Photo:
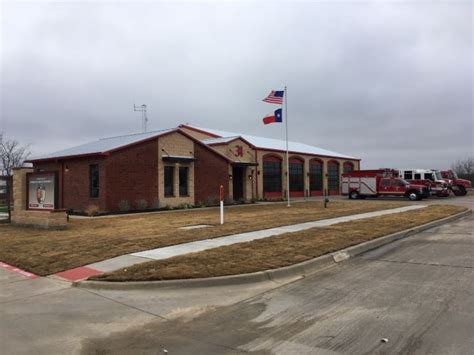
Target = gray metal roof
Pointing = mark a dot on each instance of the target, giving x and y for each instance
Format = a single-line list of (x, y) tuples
[(270, 143), (219, 140), (103, 145)]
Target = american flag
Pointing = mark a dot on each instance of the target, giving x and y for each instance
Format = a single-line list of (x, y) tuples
[(275, 97)]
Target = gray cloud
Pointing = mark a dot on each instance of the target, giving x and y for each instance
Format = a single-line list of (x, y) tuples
[(388, 82)]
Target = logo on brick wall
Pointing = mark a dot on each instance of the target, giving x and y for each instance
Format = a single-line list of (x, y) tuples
[(239, 151)]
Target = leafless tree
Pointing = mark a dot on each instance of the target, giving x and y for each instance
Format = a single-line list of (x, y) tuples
[(12, 155), (464, 168)]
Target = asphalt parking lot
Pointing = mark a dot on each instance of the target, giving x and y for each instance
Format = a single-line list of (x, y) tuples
[(417, 294)]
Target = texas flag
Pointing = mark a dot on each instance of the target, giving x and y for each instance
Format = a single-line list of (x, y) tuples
[(272, 118)]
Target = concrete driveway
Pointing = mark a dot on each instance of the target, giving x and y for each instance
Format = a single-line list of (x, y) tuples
[(418, 293)]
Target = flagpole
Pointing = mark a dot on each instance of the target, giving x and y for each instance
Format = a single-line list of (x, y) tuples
[(287, 158)]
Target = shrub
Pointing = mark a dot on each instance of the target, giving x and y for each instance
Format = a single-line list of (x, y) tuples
[(141, 204), (156, 204), (92, 210), (124, 206), (167, 207), (211, 201), (200, 204)]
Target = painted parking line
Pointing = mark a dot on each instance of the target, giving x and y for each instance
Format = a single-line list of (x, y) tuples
[(79, 273), (11, 268)]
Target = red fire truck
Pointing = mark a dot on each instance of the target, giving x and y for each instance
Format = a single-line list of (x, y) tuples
[(428, 177), (380, 182), (459, 186)]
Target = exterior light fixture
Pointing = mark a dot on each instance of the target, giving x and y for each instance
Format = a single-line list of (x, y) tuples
[(230, 177)]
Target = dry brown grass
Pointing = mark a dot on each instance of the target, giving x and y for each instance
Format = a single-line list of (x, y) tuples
[(87, 241), (278, 251)]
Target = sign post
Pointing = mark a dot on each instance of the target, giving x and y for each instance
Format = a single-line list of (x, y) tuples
[(221, 197)]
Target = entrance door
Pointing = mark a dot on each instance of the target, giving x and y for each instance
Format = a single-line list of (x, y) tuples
[(238, 183)]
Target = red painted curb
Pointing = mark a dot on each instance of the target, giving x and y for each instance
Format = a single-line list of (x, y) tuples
[(11, 268), (79, 273)]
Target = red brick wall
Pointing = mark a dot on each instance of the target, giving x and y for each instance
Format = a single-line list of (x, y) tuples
[(132, 174), (76, 182), (210, 171), (128, 174)]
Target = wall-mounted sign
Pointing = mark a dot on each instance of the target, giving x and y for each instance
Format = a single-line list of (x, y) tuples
[(42, 191), (239, 151)]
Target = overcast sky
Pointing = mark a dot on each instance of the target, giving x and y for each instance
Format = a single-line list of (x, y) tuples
[(389, 82)]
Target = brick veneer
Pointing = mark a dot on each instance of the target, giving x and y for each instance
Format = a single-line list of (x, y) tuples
[(210, 171), (128, 174), (179, 145), (21, 216), (131, 175), (74, 175)]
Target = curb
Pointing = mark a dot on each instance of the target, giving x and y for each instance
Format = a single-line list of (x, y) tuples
[(284, 274)]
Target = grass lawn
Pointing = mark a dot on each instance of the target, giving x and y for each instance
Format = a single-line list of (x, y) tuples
[(91, 240), (278, 251)]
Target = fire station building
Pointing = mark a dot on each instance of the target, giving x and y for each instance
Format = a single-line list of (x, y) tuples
[(186, 165)]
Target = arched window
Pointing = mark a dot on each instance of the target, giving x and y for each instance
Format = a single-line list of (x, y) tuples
[(272, 176), (348, 167), (296, 169), (316, 177), (333, 177)]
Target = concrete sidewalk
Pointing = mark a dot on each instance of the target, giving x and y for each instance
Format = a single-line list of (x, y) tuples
[(201, 245)]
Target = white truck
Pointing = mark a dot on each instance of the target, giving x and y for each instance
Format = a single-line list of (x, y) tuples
[(427, 177)]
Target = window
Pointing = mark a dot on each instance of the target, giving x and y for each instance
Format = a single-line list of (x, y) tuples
[(94, 180), (385, 182), (348, 167), (429, 176), (333, 176), (316, 176), (296, 176), (417, 176), (169, 181), (408, 175), (399, 183), (183, 181), (272, 176)]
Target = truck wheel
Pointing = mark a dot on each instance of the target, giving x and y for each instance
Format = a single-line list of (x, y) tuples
[(354, 195), (459, 190), (414, 196)]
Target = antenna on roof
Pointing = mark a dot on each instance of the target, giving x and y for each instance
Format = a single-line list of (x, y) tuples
[(142, 109)]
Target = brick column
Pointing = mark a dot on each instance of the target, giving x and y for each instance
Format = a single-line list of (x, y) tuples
[(176, 180), (325, 177), (20, 188)]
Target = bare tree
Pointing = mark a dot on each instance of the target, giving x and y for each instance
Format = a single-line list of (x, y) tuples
[(464, 168), (12, 155)]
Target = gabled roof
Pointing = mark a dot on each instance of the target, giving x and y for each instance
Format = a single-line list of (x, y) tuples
[(267, 143), (220, 140), (225, 140), (103, 146)]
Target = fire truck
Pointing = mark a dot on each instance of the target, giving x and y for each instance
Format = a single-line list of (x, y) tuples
[(380, 182), (460, 187), (428, 177)]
